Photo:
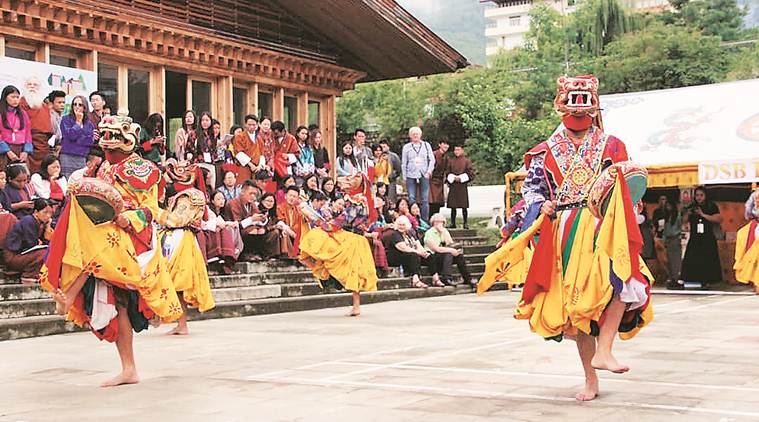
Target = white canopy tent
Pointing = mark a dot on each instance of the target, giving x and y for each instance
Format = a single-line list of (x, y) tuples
[(677, 133)]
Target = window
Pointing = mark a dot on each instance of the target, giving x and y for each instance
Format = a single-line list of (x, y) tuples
[(201, 96), (515, 20), (314, 113), (239, 104), (138, 94), (290, 114), (108, 84), (18, 53), (265, 101), (62, 61), (491, 24)]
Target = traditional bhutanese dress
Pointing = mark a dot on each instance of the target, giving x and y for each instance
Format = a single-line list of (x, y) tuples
[(747, 248), (179, 245), (337, 247), (579, 262), (125, 267)]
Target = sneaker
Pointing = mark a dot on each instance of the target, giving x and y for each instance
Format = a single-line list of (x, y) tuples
[(673, 285)]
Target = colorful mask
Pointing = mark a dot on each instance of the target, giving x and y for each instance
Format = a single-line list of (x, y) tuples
[(577, 101), (118, 133), (182, 172)]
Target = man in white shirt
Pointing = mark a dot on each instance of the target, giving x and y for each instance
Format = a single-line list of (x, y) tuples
[(418, 162)]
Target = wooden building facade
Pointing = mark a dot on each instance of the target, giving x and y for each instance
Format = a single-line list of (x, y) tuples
[(286, 59)]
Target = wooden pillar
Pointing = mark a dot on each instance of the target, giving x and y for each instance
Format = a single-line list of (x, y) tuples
[(42, 53), (123, 89), (88, 60), (157, 87), (253, 100), (224, 109), (328, 126), (278, 104), (2, 46), (301, 117)]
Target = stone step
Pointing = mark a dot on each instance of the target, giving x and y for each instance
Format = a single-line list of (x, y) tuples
[(478, 249), (10, 309), (35, 326), (395, 283), (4, 279), (232, 294), (456, 233), (32, 326), (471, 240), (22, 292), (305, 303)]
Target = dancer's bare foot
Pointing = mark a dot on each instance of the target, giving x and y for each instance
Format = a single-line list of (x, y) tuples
[(125, 377), (62, 302), (179, 331), (590, 391), (607, 362), (354, 312)]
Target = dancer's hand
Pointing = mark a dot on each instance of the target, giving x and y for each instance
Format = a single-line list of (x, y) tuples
[(548, 208), (122, 221)]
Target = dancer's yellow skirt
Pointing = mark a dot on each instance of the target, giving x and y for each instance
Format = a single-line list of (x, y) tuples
[(508, 264), (580, 288), (187, 267), (343, 255), (747, 257), (108, 253)]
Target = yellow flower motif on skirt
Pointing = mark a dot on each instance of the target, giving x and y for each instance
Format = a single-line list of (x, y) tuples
[(113, 239), (123, 270), (93, 268), (164, 293), (575, 296), (43, 275), (175, 308)]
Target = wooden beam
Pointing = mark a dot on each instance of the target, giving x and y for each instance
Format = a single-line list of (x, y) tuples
[(2, 46), (157, 88), (42, 53), (253, 99), (225, 110), (278, 104), (123, 89), (302, 109), (88, 60), (328, 126)]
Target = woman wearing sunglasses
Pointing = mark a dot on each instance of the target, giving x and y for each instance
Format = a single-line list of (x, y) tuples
[(76, 136)]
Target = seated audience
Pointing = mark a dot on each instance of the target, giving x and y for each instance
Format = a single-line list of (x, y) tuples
[(49, 183), (17, 195), (229, 188), (30, 231), (244, 210), (403, 208), (270, 243), (422, 226), (91, 166), (438, 241), (223, 241), (265, 183), (329, 189), (403, 249), (285, 183), (310, 185), (290, 221)]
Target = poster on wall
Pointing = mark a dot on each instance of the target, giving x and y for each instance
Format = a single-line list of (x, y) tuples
[(36, 80)]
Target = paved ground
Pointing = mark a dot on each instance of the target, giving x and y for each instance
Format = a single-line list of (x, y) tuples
[(458, 358)]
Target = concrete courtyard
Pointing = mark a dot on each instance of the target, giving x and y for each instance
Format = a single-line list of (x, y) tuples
[(453, 358)]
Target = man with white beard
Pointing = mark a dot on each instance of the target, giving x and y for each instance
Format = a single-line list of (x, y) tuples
[(33, 102)]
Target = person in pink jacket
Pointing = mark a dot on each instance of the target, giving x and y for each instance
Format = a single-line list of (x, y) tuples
[(15, 129)]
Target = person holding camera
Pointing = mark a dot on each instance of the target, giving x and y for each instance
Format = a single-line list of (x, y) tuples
[(701, 262)]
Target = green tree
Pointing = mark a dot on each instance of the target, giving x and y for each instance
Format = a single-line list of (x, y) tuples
[(663, 56), (723, 18), (596, 23)]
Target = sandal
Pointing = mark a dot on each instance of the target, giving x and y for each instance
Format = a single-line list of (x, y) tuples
[(436, 281), (419, 284)]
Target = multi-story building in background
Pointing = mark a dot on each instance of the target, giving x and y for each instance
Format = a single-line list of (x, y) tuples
[(507, 21)]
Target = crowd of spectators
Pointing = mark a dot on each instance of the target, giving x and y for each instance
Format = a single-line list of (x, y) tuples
[(254, 178)]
